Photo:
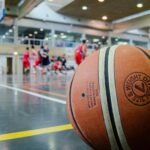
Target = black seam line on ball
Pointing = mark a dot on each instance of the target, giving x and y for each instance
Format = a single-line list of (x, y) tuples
[(73, 117), (144, 52), (110, 101)]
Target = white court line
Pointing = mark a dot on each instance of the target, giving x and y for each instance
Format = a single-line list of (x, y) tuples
[(34, 94)]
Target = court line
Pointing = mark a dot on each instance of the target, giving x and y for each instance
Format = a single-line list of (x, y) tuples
[(29, 133), (42, 91), (34, 94), (43, 84)]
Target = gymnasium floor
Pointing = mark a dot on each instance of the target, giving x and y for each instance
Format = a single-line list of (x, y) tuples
[(33, 114)]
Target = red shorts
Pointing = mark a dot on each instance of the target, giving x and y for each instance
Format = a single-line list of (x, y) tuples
[(37, 62), (26, 64), (78, 58), (57, 66)]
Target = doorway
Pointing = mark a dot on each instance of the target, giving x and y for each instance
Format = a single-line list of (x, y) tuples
[(9, 65)]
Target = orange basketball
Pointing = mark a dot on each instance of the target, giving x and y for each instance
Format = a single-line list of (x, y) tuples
[(109, 99)]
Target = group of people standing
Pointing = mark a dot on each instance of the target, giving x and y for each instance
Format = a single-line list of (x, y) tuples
[(33, 58), (40, 58)]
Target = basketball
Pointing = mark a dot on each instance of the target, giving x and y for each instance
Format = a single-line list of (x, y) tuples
[(109, 99)]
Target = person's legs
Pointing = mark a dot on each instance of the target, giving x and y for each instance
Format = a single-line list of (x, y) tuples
[(26, 65)]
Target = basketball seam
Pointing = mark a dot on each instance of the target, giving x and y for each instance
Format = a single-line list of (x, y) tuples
[(143, 52), (73, 117), (114, 99), (100, 97), (104, 102), (109, 100)]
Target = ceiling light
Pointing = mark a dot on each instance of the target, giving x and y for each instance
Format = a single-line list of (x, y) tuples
[(3, 36), (30, 34), (95, 40), (64, 36), (50, 0), (55, 35), (104, 17), (124, 43), (41, 29), (10, 30), (139, 5), (61, 33), (101, 0), (84, 7), (35, 32), (15, 53), (46, 39), (6, 33)]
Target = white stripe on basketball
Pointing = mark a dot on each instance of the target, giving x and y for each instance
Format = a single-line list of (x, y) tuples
[(104, 103), (116, 114)]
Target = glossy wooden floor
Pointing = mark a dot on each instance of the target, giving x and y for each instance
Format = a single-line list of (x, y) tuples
[(29, 107)]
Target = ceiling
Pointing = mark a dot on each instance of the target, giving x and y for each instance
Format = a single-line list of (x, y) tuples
[(12, 2), (114, 9)]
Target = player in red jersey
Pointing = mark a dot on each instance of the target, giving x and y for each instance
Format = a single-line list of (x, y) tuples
[(80, 52), (25, 61)]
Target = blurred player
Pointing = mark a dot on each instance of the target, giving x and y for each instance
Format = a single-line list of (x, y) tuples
[(80, 52), (58, 65), (45, 60), (64, 61), (34, 56), (25, 61), (97, 47)]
